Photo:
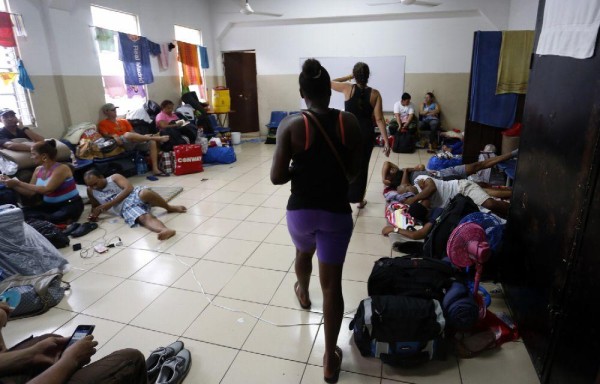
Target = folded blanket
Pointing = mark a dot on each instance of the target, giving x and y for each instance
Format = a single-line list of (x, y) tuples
[(460, 309)]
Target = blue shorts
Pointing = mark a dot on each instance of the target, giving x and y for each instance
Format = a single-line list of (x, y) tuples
[(329, 233), (133, 207)]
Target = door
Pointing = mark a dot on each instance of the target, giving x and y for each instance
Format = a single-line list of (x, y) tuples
[(240, 77)]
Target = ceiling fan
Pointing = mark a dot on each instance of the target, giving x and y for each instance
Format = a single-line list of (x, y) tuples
[(408, 2), (247, 10)]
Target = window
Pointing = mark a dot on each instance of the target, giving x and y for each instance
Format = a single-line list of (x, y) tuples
[(115, 90), (12, 94), (192, 36)]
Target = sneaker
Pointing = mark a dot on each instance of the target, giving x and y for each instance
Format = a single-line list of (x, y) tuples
[(157, 357), (175, 368)]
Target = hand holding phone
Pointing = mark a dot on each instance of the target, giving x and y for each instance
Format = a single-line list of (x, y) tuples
[(80, 332)]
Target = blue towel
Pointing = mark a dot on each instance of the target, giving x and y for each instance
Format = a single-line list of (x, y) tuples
[(203, 56), (460, 309), (24, 79), (487, 107)]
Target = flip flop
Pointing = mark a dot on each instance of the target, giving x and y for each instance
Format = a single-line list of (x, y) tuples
[(303, 306), (162, 174), (152, 178), (336, 374), (71, 228), (84, 229)]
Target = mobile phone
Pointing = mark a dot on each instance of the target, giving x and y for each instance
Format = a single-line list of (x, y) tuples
[(80, 332), (11, 297)]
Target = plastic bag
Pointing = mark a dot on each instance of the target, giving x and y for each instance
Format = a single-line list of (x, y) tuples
[(8, 167)]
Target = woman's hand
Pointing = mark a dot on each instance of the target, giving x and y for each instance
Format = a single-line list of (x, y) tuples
[(81, 352), (10, 183), (386, 150)]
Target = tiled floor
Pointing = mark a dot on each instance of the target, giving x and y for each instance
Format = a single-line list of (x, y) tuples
[(233, 247)]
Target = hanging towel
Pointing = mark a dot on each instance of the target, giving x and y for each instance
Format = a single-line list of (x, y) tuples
[(106, 39), (7, 36), (114, 86), (570, 28), (163, 58), (24, 79), (203, 57), (17, 20), (8, 77), (487, 107), (188, 56), (515, 56), (136, 90)]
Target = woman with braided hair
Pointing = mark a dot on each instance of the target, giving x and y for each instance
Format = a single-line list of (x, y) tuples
[(366, 104)]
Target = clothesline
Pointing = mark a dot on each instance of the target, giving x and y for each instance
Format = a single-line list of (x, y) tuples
[(133, 34)]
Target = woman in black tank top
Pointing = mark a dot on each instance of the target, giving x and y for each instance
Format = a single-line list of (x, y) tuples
[(365, 103), (323, 146)]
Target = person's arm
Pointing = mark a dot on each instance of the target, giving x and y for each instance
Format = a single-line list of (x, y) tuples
[(162, 124), (59, 175), (341, 87), (344, 78), (410, 118), (22, 147), (126, 187), (354, 144), (33, 136), (428, 188), (378, 111), (422, 110), (405, 176), (413, 235), (42, 354), (387, 166), (72, 359), (436, 111), (280, 168)]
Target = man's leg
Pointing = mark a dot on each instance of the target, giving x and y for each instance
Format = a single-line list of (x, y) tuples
[(148, 196), (135, 137), (152, 223), (126, 366), (473, 168), (434, 125), (499, 207), (499, 193), (154, 158)]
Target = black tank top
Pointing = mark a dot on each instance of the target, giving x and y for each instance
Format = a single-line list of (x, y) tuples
[(318, 181), (359, 104)]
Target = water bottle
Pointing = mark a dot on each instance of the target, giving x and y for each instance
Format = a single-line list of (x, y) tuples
[(140, 165)]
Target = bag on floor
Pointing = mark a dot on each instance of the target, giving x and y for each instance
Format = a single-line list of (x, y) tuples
[(165, 162), (401, 331), (403, 142), (220, 155), (8, 196), (435, 242), (187, 159), (50, 232), (38, 292), (411, 276)]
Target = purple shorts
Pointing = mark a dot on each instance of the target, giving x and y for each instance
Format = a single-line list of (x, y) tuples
[(329, 233)]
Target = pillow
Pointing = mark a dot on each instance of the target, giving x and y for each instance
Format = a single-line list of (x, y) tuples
[(24, 160)]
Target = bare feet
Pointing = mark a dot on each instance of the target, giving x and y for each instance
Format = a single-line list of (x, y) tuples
[(176, 209), (303, 298), (166, 234)]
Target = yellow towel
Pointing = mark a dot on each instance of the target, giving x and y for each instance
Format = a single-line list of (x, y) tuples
[(515, 55)]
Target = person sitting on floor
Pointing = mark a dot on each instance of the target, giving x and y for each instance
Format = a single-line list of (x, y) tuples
[(122, 131), (117, 195), (13, 129), (61, 201), (393, 176), (42, 360)]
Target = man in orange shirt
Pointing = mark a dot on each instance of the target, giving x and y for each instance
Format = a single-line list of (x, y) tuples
[(122, 131)]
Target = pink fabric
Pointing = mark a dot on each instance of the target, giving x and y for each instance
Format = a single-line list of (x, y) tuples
[(164, 117)]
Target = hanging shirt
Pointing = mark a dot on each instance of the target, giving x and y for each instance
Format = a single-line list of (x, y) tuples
[(134, 52), (7, 37)]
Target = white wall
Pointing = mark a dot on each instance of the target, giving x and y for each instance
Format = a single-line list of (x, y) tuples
[(523, 14)]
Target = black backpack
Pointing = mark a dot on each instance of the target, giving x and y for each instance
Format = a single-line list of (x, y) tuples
[(435, 242), (403, 142), (143, 127), (424, 278), (402, 331), (8, 196), (50, 232)]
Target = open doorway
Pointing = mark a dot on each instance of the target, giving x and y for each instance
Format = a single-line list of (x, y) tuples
[(240, 77)]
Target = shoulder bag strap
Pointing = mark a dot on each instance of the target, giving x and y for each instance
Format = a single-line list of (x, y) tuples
[(316, 122)]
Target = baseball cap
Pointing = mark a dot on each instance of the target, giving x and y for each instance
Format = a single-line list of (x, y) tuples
[(7, 112), (108, 107)]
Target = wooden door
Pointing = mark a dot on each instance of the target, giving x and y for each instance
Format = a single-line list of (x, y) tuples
[(240, 77)]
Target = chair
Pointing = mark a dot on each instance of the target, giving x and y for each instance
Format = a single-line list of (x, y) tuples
[(276, 117), (217, 127)]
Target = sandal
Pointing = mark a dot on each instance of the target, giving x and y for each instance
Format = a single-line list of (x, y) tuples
[(336, 374), (303, 306)]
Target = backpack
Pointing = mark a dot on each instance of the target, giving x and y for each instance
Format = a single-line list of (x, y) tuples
[(403, 142), (50, 232), (38, 292), (143, 127), (423, 278), (435, 242), (8, 196), (402, 331)]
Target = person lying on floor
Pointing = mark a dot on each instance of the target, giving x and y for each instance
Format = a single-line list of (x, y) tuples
[(42, 360), (117, 195), (122, 131), (393, 176), (421, 213), (440, 192)]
